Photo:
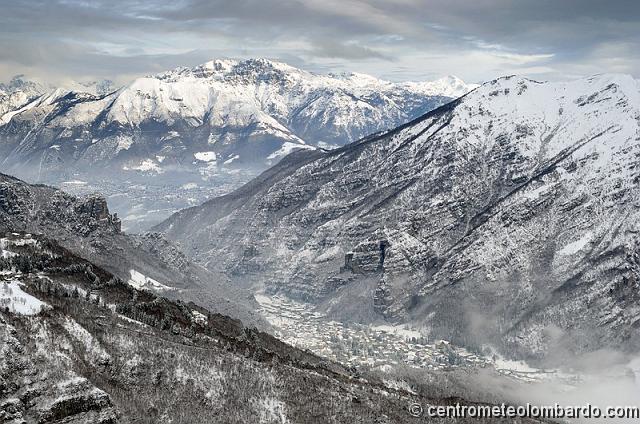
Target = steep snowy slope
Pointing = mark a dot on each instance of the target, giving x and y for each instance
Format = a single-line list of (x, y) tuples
[(508, 217), (223, 113)]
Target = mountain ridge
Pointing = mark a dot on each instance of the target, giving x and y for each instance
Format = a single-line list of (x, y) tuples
[(221, 113), (85, 226)]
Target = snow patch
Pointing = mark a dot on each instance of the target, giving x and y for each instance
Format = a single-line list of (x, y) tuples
[(287, 148), (19, 302), (146, 165), (576, 246), (142, 282), (205, 156), (199, 318), (399, 385), (231, 159), (537, 192)]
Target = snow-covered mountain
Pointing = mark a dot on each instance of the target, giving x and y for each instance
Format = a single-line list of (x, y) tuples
[(222, 113), (21, 94), (17, 93), (508, 217)]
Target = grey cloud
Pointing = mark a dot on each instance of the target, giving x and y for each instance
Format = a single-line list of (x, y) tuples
[(328, 48), (476, 40)]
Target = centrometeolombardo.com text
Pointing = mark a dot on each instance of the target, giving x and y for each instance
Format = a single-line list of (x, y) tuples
[(587, 411)]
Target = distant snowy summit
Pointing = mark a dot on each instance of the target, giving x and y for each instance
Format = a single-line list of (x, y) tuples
[(17, 93), (221, 114)]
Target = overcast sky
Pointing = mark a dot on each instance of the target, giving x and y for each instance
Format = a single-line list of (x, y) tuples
[(393, 39)]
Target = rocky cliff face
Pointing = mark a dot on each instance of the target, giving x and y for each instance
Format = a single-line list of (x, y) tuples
[(222, 114), (508, 217), (85, 226), (42, 209)]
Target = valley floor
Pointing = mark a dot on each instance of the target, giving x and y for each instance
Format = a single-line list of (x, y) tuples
[(385, 349), (381, 346)]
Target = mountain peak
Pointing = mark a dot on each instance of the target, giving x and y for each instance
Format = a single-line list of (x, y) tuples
[(583, 92), (254, 68), (449, 86), (20, 83), (248, 71), (218, 64), (603, 79)]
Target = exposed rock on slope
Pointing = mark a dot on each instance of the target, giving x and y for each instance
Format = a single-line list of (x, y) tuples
[(509, 217), (85, 226), (223, 113)]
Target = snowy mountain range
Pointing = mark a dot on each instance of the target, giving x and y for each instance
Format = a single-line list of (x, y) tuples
[(223, 113), (21, 91), (509, 217), (505, 221)]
